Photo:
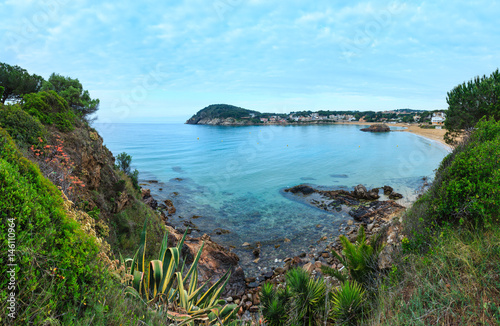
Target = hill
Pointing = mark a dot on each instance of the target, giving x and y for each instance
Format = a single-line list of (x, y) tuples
[(220, 113)]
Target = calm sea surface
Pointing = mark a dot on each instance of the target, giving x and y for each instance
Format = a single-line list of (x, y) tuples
[(232, 177)]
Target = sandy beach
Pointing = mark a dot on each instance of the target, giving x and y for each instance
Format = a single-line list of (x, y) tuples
[(433, 134)]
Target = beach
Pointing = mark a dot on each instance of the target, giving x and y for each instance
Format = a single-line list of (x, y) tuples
[(433, 134)]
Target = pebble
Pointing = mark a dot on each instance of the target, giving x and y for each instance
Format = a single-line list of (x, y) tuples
[(245, 244), (350, 222), (237, 301), (230, 299), (256, 260)]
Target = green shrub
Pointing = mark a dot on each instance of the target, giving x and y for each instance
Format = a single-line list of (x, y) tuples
[(301, 302), (360, 259), (469, 192), (50, 109), (57, 265), (347, 303), (22, 127)]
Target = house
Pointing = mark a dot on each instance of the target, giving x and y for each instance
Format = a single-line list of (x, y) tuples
[(264, 120), (438, 118), (416, 118)]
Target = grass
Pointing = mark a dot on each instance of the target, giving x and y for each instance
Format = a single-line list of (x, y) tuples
[(457, 282)]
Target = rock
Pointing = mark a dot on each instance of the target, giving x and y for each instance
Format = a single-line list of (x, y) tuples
[(287, 240), (308, 267), (385, 258), (268, 275), (237, 301), (245, 244), (325, 255), (250, 279), (350, 222), (220, 231), (395, 195), (256, 260), (277, 246), (302, 255), (279, 270), (304, 189), (229, 299), (256, 252), (254, 309), (253, 285), (387, 190), (377, 210), (377, 128)]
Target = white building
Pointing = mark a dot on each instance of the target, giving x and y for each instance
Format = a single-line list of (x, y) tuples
[(438, 118)]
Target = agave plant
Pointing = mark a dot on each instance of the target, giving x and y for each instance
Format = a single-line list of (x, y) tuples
[(360, 258), (348, 302), (165, 285)]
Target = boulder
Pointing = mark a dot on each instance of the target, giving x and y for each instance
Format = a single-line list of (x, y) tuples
[(387, 190), (377, 128), (394, 195)]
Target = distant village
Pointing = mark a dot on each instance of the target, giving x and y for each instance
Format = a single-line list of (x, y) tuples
[(399, 116)]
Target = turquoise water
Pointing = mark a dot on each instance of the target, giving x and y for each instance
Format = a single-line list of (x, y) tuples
[(233, 176)]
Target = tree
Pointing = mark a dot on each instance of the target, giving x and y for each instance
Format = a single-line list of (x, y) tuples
[(16, 82), (72, 91), (471, 101), (124, 160)]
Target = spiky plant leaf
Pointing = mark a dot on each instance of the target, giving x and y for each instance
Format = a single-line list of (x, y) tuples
[(347, 303)]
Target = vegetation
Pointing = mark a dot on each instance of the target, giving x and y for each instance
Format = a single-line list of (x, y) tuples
[(25, 129), (361, 259), (300, 302), (17, 82), (470, 102), (163, 286), (57, 269), (50, 109), (221, 111), (72, 91), (124, 160)]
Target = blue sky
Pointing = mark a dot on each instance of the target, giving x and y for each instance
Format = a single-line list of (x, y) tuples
[(162, 61)]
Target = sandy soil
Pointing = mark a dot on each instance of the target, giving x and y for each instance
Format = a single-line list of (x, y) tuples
[(433, 134)]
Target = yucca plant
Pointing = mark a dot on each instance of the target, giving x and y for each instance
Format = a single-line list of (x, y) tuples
[(347, 303), (360, 259), (275, 304), (165, 285), (301, 302), (308, 297)]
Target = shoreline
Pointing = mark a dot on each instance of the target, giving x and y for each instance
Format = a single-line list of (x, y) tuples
[(431, 134)]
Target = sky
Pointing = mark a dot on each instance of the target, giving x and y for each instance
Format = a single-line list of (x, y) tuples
[(162, 61)]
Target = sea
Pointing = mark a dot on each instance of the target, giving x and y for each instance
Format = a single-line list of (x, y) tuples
[(228, 182)]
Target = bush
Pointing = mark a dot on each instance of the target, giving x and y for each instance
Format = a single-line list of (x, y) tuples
[(301, 302), (50, 109), (469, 192), (22, 127), (57, 266)]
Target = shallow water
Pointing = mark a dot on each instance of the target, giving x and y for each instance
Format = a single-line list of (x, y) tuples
[(232, 177)]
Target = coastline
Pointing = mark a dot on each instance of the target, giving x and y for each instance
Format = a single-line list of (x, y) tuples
[(431, 134)]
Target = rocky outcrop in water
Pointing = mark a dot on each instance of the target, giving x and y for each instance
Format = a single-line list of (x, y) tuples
[(330, 200), (377, 128)]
